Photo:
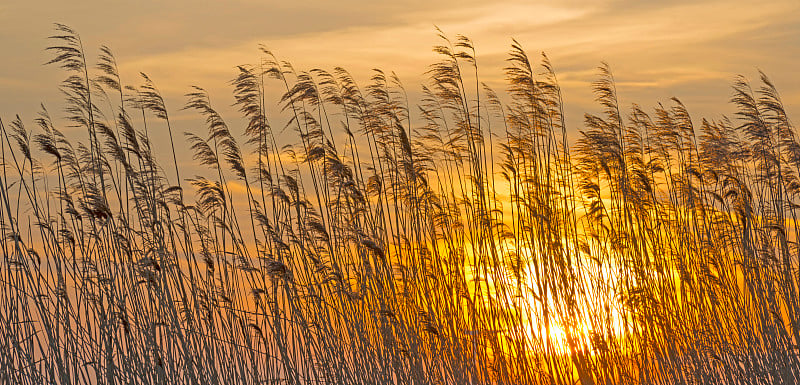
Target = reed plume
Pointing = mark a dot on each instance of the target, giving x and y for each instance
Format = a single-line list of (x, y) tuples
[(341, 234)]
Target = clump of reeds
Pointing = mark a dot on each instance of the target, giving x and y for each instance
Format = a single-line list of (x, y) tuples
[(460, 240)]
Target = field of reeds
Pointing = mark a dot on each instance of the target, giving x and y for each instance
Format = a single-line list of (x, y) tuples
[(343, 235)]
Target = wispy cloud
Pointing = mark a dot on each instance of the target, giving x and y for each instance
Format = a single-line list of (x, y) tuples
[(667, 45)]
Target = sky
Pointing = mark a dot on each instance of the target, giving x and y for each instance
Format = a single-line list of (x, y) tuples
[(656, 50)]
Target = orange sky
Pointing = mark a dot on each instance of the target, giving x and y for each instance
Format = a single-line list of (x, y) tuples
[(688, 49)]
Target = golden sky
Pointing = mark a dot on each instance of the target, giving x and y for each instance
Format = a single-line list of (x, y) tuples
[(688, 49)]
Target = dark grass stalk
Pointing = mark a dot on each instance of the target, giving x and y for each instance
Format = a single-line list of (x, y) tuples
[(650, 251)]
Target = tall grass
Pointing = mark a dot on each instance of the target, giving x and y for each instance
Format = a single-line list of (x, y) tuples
[(366, 240)]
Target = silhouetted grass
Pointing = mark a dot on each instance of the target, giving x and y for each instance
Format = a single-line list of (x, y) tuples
[(460, 240)]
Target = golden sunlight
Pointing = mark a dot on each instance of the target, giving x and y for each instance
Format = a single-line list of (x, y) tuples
[(415, 199)]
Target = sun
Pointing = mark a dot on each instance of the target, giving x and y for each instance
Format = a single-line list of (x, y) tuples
[(559, 317)]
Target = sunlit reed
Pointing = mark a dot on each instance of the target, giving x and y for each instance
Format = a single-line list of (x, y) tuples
[(342, 234)]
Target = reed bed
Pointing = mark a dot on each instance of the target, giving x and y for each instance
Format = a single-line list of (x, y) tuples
[(364, 240)]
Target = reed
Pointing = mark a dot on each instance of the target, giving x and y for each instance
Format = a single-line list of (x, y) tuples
[(367, 240)]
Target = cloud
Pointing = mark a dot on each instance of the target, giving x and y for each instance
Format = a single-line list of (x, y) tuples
[(671, 45)]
